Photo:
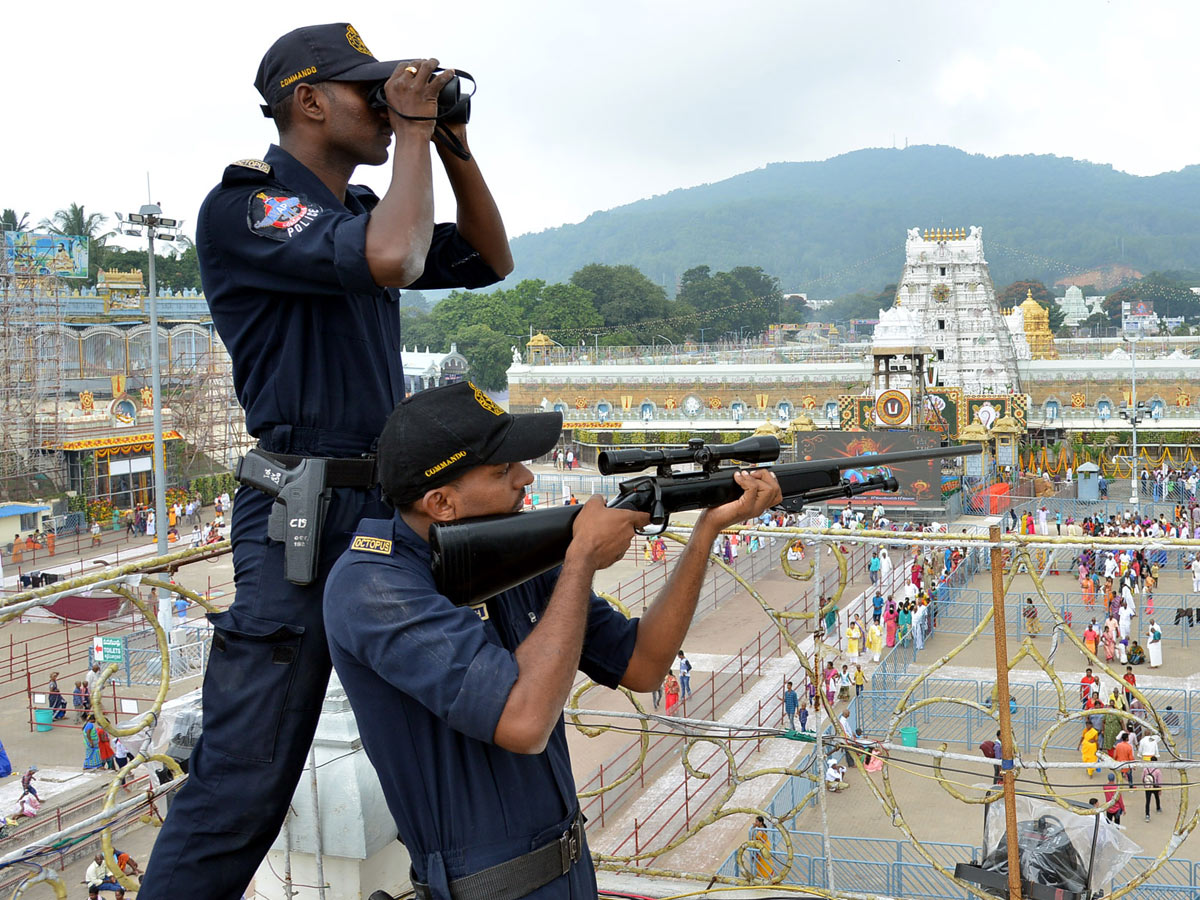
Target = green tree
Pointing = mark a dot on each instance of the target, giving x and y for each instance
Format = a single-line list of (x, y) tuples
[(622, 294), (796, 309), (1096, 323), (176, 270), (562, 306), (489, 354), (10, 221), (1169, 296), (75, 220), (418, 330), (499, 310), (415, 300), (754, 296), (1014, 295), (856, 306), (1055, 316)]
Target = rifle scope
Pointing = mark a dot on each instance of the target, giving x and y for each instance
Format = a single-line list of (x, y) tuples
[(760, 448)]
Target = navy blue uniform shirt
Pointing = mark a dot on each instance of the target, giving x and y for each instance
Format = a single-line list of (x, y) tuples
[(428, 681), (315, 343)]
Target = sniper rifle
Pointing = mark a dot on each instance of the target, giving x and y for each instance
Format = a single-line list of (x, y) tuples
[(476, 559)]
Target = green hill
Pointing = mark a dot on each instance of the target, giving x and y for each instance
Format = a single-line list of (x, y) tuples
[(833, 227)]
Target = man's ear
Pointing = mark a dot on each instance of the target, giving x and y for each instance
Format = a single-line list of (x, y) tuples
[(440, 504), (310, 101)]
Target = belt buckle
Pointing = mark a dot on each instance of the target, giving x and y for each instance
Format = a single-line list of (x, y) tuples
[(570, 845)]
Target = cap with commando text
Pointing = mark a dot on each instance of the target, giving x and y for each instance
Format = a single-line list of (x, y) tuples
[(317, 53), (434, 436)]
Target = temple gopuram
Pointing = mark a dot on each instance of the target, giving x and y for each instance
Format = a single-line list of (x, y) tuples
[(943, 357)]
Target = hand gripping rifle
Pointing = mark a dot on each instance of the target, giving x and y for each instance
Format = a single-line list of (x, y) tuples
[(474, 559)]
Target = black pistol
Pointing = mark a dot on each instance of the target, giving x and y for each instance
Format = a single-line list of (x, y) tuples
[(301, 501)]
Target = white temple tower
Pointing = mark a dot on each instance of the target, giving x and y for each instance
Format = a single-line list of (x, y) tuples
[(947, 289)]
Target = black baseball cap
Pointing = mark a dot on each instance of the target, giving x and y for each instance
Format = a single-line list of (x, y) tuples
[(317, 53), (436, 435)]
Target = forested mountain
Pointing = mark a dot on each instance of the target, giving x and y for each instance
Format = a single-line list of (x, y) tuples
[(833, 227)]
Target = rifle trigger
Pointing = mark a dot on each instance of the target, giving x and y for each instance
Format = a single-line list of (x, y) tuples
[(659, 517), (651, 530)]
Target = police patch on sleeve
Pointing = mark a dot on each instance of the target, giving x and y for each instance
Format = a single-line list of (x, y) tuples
[(371, 544), (280, 216)]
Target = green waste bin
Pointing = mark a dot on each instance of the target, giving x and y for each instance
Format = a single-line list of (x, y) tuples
[(43, 717), (908, 736)]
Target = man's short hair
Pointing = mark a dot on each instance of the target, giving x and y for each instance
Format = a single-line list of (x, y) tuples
[(281, 112)]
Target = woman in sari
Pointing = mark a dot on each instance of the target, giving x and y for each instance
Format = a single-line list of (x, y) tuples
[(853, 639), (58, 702), (1111, 728), (671, 689), (890, 619), (91, 744), (1089, 590), (760, 841), (1109, 639), (874, 640), (1032, 625), (904, 625), (107, 754), (1089, 747)]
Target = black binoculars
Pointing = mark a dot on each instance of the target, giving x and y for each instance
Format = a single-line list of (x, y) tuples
[(453, 106)]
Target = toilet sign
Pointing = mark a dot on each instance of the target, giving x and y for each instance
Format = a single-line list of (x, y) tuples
[(107, 649)]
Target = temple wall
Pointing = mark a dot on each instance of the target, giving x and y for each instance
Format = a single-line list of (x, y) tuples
[(804, 390)]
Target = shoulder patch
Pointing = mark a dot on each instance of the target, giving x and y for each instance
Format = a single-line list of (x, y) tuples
[(280, 215), (246, 171), (256, 164), (371, 545)]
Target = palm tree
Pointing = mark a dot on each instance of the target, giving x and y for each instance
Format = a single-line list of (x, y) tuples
[(10, 221), (74, 220)]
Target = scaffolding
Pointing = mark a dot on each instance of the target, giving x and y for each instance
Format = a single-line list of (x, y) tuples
[(207, 410), (31, 385), (64, 364)]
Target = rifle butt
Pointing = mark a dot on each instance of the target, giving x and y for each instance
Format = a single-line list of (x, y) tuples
[(476, 559)]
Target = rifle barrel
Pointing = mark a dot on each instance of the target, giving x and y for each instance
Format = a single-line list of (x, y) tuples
[(474, 559), (887, 459)]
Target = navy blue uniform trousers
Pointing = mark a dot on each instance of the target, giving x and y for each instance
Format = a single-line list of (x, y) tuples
[(263, 689)]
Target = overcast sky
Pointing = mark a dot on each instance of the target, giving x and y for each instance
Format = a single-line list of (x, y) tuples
[(587, 106)]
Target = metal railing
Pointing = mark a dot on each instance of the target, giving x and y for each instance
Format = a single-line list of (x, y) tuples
[(894, 868), (1036, 712)]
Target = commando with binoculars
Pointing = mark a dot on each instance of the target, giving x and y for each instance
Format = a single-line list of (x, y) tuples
[(475, 559)]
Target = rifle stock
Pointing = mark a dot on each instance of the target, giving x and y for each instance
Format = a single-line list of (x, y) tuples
[(476, 559)]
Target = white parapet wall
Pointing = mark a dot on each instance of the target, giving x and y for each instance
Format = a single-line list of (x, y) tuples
[(359, 850)]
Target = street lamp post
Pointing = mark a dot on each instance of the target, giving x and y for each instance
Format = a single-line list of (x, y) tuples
[(151, 218), (1132, 338)]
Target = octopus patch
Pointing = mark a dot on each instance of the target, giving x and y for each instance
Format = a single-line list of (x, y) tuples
[(279, 216)]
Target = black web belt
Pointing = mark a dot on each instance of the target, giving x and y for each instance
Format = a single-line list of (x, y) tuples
[(354, 472), (517, 877)]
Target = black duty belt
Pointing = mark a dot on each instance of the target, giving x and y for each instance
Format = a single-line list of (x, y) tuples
[(353, 472), (521, 876)]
